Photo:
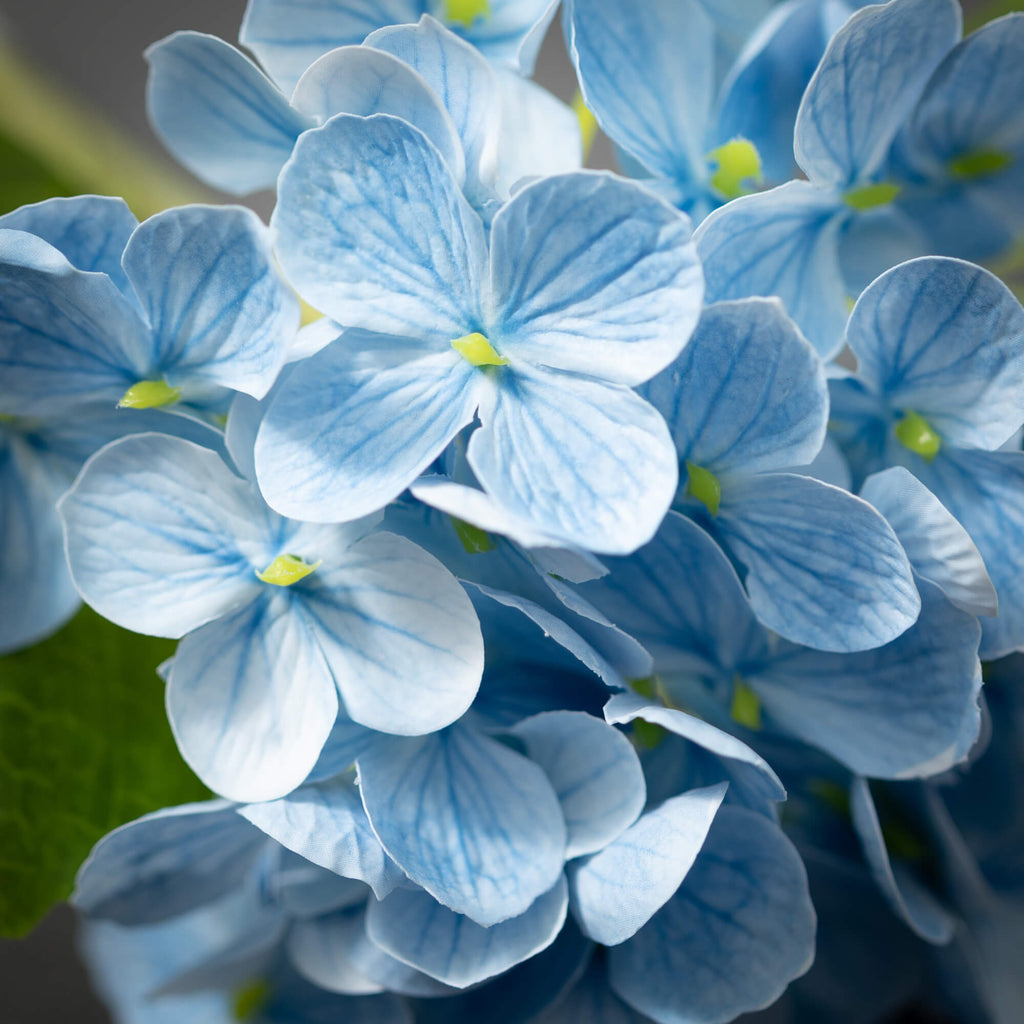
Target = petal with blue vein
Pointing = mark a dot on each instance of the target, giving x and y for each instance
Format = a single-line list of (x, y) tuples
[(471, 821), (91, 231), (627, 707), (907, 709), (739, 929), (595, 771), (167, 863), (540, 135), (339, 441), (647, 72), (985, 491), (823, 567), (607, 483), (461, 79), (747, 394), (399, 634), (335, 953), (413, 927), (938, 547), (373, 230), (327, 825), (784, 243), (680, 597), (911, 902), (251, 700), (618, 890), (593, 274), (218, 113), (36, 592), (874, 240), (218, 308), (363, 81), (944, 339), (866, 86), (512, 32), (69, 336)]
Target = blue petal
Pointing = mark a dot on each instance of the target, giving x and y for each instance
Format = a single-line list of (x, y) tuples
[(218, 113), (595, 772), (251, 700), (747, 394), (399, 634), (607, 482), (373, 230), (471, 821), (327, 825), (938, 547), (944, 339), (592, 1000), (344, 746), (161, 536), (866, 85), (647, 72), (907, 709), (739, 929), (413, 927), (513, 32), (915, 906), (91, 231), (36, 592), (624, 708), (784, 243), (985, 491), (167, 863), (69, 336), (340, 440), (823, 567), (618, 890), (875, 240), (219, 310), (461, 79), (593, 274)]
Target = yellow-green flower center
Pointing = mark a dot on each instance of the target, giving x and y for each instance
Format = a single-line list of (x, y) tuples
[(285, 570), (466, 12), (868, 197), (746, 705), (250, 999), (474, 540), (737, 168), (914, 432), (704, 486), (588, 123), (478, 350), (149, 394), (981, 163)]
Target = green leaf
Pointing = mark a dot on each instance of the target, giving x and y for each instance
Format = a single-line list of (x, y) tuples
[(84, 747)]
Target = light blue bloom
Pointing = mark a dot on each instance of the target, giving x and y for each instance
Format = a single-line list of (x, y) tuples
[(283, 622), (896, 135), (745, 400), (940, 351), (539, 338), (288, 36), (234, 128), (184, 307), (903, 710)]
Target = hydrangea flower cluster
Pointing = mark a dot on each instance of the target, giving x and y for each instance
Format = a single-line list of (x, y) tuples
[(566, 634)]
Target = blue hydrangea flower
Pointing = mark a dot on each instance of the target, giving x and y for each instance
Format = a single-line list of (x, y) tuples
[(747, 402), (538, 332), (940, 351), (896, 134), (283, 622), (234, 128)]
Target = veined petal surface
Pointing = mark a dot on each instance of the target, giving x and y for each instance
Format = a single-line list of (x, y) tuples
[(218, 113), (471, 821), (593, 274)]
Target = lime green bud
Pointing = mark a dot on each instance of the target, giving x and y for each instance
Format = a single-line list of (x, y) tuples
[(588, 123), (250, 999), (474, 540), (478, 350), (285, 570), (917, 434), (466, 12), (746, 705), (868, 197), (738, 168), (982, 163), (149, 394), (704, 486)]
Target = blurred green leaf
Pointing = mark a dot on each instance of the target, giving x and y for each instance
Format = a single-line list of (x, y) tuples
[(84, 747), (24, 178)]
